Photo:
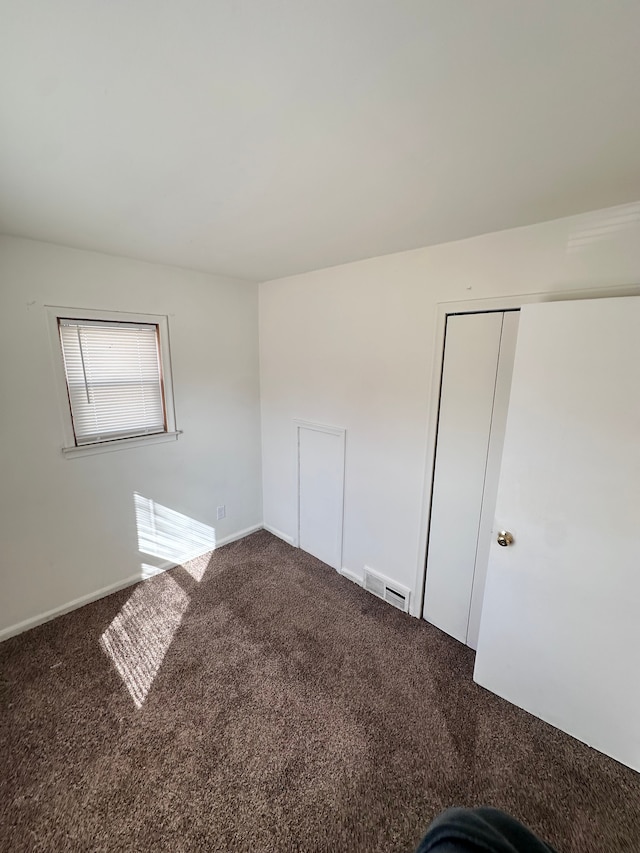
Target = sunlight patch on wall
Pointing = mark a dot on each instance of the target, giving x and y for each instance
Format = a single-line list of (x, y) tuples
[(170, 535), (139, 636)]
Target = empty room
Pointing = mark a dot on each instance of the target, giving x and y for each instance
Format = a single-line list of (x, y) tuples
[(319, 420)]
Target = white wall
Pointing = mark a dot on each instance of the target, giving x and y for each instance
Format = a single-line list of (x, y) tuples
[(353, 346), (350, 346), (67, 526)]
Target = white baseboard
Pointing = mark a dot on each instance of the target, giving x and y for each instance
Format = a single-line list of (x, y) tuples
[(41, 618), (240, 534), (285, 537), (149, 571), (352, 576)]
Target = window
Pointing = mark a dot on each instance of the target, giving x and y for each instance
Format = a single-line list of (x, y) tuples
[(116, 388)]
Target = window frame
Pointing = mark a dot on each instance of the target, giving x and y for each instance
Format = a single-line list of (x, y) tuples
[(161, 321)]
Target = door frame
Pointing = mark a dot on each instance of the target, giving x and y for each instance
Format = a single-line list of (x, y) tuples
[(341, 433), (474, 306)]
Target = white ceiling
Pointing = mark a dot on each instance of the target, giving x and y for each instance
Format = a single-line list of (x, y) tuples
[(259, 138)]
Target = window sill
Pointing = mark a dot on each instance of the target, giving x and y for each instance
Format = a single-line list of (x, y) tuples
[(120, 444)]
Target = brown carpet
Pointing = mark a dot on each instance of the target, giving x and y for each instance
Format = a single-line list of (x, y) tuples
[(282, 708)]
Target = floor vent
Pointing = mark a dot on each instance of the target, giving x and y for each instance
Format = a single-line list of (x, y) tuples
[(388, 590)]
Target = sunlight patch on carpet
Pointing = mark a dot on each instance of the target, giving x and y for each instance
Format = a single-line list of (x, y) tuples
[(138, 638)]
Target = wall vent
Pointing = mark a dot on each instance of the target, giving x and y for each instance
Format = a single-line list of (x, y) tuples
[(386, 589)]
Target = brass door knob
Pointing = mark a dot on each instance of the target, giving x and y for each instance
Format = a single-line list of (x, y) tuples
[(505, 538)]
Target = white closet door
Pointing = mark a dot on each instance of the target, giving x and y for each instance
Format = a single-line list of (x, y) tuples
[(321, 492), (472, 347), (504, 375), (560, 630)]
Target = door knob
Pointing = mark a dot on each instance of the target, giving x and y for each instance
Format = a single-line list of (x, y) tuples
[(505, 538)]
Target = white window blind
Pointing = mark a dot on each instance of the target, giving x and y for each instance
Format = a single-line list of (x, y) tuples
[(114, 379)]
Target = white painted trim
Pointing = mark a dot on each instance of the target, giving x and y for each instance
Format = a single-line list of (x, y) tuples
[(284, 536), (41, 618), (53, 312), (341, 433), (464, 306), (140, 577), (352, 576), (151, 570), (333, 430), (120, 444), (240, 534)]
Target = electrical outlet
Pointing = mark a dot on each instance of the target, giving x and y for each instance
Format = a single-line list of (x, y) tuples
[(221, 512)]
